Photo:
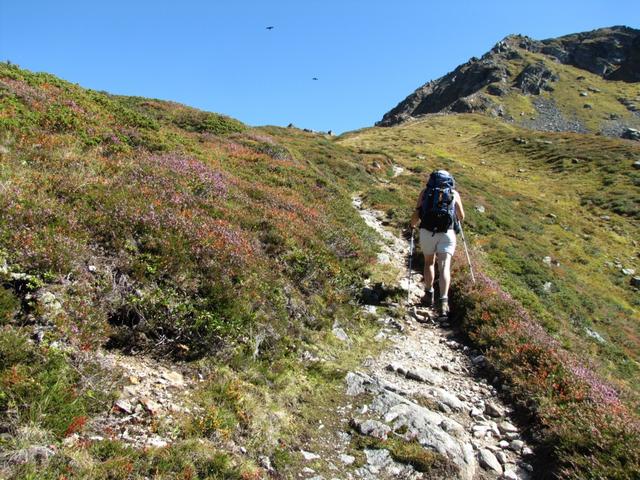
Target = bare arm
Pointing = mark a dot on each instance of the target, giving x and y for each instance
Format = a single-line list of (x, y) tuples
[(459, 208), (415, 218)]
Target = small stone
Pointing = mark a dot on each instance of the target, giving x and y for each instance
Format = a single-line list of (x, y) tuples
[(480, 208), (547, 287), (341, 335), (516, 445), (347, 459), (636, 164), (308, 456), (493, 409), (150, 405), (635, 282), (628, 271), (92, 268), (502, 457), (175, 378), (510, 475), (527, 451), (506, 427), (476, 412), (124, 406), (157, 442), (265, 462), (489, 461), (584, 94), (478, 360)]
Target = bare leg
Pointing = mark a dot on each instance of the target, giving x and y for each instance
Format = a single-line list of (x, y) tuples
[(429, 270), (444, 267)]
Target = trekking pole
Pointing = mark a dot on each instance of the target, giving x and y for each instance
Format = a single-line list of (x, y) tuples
[(466, 250), (410, 267)]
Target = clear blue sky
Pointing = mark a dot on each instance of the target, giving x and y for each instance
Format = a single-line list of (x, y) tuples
[(217, 55)]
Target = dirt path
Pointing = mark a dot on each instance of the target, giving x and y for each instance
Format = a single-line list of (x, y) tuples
[(425, 388)]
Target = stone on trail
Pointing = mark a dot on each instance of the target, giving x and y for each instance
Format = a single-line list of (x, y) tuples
[(516, 445), (431, 429), (510, 475), (489, 461), (506, 427), (493, 409), (502, 457), (422, 375), (448, 398)]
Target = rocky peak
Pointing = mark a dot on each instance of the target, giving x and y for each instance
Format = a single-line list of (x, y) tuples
[(613, 53)]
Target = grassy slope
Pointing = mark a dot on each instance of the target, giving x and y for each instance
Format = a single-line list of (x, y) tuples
[(522, 178), (232, 246), (544, 195)]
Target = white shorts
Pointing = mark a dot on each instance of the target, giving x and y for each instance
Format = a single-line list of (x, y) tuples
[(441, 242)]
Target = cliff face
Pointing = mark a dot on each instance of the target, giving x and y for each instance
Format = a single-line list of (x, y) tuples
[(610, 53)]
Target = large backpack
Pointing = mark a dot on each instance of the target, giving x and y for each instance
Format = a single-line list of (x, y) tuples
[(437, 211)]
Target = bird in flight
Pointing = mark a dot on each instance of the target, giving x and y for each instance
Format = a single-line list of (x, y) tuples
[(270, 27), (314, 78)]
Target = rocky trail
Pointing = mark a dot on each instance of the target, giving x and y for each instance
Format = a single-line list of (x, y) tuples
[(426, 388)]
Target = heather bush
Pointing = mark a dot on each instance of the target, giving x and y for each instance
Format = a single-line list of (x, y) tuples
[(582, 423)]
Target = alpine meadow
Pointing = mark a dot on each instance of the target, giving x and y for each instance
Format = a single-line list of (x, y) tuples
[(185, 296)]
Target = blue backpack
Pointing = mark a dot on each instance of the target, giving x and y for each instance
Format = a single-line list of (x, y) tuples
[(437, 211)]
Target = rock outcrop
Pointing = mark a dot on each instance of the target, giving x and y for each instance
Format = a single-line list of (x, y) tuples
[(613, 53)]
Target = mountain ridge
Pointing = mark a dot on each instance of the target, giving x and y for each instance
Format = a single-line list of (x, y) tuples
[(508, 80)]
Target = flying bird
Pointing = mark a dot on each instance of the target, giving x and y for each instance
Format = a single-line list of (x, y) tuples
[(270, 27), (314, 78)]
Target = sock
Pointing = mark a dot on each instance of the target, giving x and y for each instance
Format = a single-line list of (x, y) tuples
[(444, 298)]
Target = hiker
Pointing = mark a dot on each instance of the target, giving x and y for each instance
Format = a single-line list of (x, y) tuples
[(438, 211)]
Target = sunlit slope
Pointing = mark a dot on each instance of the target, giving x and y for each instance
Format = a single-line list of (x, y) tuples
[(559, 220)]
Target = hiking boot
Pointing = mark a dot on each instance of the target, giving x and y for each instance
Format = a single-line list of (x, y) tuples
[(444, 307), (427, 299)]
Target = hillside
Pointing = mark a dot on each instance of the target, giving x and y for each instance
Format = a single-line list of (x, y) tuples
[(185, 296), (586, 82), (219, 253)]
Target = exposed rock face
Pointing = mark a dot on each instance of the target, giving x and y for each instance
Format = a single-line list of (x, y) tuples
[(613, 53), (441, 94), (608, 52), (535, 78)]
